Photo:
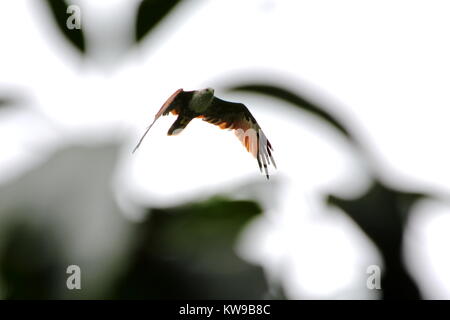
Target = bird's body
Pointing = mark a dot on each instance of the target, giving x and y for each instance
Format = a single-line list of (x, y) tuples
[(227, 115), (201, 100)]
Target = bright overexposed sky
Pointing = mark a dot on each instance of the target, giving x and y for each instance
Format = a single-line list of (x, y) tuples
[(384, 65)]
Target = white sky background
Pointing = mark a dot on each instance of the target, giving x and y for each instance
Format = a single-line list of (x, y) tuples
[(377, 60)]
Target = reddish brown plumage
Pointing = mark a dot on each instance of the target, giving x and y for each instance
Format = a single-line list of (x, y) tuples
[(225, 115), (236, 116)]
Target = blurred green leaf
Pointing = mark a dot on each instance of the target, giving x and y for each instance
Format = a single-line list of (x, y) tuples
[(150, 13), (299, 101), (58, 9), (382, 214), (41, 207), (187, 252), (5, 102), (30, 263)]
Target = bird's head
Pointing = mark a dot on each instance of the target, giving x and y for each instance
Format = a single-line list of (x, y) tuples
[(202, 99), (208, 92)]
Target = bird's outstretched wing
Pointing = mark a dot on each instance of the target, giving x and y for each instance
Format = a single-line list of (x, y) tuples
[(175, 102), (236, 116)]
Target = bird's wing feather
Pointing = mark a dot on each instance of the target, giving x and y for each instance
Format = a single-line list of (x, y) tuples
[(174, 104), (236, 116)]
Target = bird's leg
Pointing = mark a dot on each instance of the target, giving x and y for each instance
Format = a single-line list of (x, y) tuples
[(179, 124)]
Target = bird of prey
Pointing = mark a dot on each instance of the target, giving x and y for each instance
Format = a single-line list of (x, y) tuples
[(227, 115)]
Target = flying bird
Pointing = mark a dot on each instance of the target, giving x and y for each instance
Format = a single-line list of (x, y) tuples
[(203, 104)]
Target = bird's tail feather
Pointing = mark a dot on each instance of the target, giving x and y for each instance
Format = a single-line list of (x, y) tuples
[(142, 138)]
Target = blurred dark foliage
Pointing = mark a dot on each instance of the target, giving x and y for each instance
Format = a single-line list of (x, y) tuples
[(150, 13), (187, 252), (11, 97), (4, 102), (42, 207), (58, 9), (301, 102), (30, 263), (382, 214)]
